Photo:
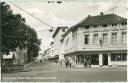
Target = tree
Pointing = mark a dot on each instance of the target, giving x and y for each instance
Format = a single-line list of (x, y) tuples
[(33, 44), (16, 33)]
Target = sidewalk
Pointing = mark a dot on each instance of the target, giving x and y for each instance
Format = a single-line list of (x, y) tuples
[(94, 67)]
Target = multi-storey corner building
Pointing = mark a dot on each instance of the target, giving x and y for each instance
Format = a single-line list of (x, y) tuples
[(57, 45), (102, 39)]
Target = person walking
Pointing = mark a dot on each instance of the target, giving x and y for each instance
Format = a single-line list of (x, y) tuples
[(85, 63), (70, 62), (89, 63), (67, 62)]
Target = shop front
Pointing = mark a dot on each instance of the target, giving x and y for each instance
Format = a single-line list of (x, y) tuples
[(94, 59), (100, 58)]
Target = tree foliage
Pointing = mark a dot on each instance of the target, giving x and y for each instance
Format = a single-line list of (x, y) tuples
[(16, 33)]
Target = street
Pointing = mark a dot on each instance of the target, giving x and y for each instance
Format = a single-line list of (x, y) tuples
[(51, 72)]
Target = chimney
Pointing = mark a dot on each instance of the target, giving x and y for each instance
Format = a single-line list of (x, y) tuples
[(89, 15), (101, 13)]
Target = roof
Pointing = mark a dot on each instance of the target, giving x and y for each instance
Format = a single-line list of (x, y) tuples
[(57, 30), (96, 20), (102, 19), (9, 56)]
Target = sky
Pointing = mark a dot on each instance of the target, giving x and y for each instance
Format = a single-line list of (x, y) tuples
[(64, 14)]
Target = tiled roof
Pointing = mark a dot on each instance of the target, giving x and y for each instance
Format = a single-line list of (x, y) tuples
[(96, 20), (102, 19)]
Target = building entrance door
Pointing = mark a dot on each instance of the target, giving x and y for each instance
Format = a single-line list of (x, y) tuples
[(105, 59)]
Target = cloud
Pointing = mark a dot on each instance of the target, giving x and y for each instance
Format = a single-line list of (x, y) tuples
[(65, 14)]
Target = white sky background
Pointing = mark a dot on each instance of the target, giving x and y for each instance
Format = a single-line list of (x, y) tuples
[(64, 14)]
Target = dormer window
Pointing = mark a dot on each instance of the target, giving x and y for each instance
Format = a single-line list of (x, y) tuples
[(104, 25), (95, 26), (123, 23), (114, 24), (87, 27), (63, 30)]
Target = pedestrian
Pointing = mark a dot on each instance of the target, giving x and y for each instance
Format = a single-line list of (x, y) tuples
[(70, 62), (73, 64), (89, 63), (67, 63), (40, 60), (85, 63)]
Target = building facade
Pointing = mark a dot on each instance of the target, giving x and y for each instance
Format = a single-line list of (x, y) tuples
[(102, 39), (57, 45), (47, 53)]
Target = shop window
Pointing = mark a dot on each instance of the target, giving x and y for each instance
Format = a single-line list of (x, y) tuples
[(86, 39), (124, 56), (94, 59), (113, 57), (80, 59), (118, 56)]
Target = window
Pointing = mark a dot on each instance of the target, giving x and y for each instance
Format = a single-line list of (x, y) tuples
[(96, 38), (95, 26), (119, 57), (114, 24), (114, 37), (113, 57), (124, 56), (87, 27), (63, 30), (86, 39), (124, 37), (124, 23), (104, 25), (105, 38)]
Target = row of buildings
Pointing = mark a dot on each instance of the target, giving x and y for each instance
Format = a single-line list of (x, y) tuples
[(102, 39)]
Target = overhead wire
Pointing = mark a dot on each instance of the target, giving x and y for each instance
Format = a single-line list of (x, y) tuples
[(33, 17)]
